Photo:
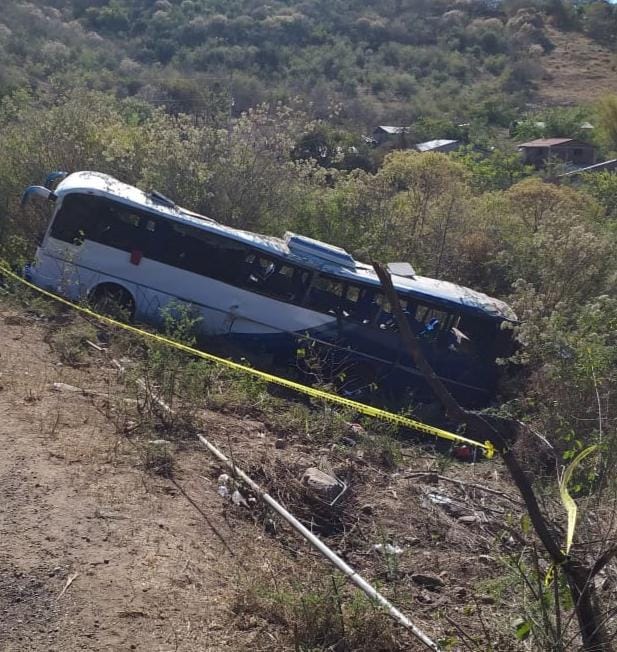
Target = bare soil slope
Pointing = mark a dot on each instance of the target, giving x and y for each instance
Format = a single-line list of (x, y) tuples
[(74, 505), (98, 554), (578, 70)]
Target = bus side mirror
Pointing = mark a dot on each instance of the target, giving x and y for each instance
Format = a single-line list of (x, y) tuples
[(37, 191)]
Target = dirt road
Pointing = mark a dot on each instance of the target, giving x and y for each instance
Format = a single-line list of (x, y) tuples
[(144, 568)]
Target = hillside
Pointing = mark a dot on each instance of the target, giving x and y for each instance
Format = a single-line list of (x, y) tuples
[(577, 71), (363, 62)]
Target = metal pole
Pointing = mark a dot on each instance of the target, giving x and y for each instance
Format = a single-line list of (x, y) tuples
[(323, 549)]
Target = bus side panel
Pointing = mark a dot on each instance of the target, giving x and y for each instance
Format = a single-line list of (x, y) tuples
[(55, 269), (379, 343), (224, 309), (470, 378)]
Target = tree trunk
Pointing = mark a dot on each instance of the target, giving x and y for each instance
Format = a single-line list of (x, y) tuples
[(503, 432)]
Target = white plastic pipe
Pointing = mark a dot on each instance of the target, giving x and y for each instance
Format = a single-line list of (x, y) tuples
[(323, 549)]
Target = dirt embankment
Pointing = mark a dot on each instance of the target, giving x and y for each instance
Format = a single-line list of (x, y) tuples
[(97, 553), (146, 571)]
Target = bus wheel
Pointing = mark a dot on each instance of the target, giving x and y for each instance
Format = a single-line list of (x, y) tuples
[(113, 301)]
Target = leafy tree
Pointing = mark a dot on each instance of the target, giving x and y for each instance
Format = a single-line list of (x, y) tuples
[(600, 21), (414, 208), (603, 187), (496, 170), (607, 116)]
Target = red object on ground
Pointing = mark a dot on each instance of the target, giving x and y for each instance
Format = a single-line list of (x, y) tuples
[(463, 453)]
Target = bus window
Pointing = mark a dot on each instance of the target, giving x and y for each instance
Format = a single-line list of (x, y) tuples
[(258, 270), (352, 294), (360, 304), (368, 306), (226, 259), (197, 251), (98, 220), (73, 220), (300, 279), (115, 226), (325, 295), (385, 318), (428, 314), (274, 278), (183, 250)]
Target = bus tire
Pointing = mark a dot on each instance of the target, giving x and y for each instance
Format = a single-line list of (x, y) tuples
[(113, 301)]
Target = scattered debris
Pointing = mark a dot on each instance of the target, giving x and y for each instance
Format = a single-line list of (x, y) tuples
[(433, 478), (63, 387), (388, 549), (238, 499), (223, 482), (96, 347), (254, 427), (452, 507), (356, 429), (464, 453), (439, 499), (69, 581)]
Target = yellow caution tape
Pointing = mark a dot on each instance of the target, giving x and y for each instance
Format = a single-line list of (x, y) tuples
[(566, 499), (570, 507), (384, 415)]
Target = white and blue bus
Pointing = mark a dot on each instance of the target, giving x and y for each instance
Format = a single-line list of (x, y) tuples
[(263, 294)]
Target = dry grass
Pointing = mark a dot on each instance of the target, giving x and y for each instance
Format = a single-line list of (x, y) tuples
[(578, 70)]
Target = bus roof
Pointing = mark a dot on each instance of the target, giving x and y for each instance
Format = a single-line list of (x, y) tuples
[(298, 249)]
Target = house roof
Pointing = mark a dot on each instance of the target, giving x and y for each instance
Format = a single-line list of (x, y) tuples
[(547, 142), (391, 130), (434, 144)]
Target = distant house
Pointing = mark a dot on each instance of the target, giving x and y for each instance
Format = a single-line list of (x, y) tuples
[(389, 134), (440, 145), (541, 151)]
